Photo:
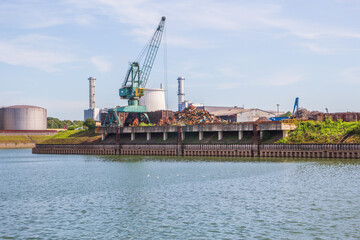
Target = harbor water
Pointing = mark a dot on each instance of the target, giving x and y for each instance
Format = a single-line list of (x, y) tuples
[(138, 197)]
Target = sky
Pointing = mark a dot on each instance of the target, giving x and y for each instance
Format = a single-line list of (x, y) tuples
[(249, 53)]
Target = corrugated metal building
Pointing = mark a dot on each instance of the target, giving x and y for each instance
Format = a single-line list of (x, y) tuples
[(242, 115)]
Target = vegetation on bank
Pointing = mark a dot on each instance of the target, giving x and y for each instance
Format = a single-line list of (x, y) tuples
[(55, 123), (327, 131), (81, 136), (23, 138)]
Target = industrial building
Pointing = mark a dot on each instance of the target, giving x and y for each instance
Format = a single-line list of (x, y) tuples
[(345, 116), (23, 117), (92, 112), (240, 114)]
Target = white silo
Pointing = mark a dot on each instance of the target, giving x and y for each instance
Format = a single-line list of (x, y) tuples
[(23, 117), (153, 99), (181, 91)]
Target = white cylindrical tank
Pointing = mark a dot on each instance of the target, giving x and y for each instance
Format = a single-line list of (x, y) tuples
[(153, 99), (23, 117), (181, 91)]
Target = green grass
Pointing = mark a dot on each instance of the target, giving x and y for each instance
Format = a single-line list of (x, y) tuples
[(324, 132), (15, 139), (73, 137), (39, 138)]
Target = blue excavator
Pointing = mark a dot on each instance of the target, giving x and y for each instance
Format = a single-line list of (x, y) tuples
[(133, 87), (296, 108)]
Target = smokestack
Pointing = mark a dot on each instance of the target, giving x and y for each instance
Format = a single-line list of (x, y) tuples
[(181, 92), (91, 93)]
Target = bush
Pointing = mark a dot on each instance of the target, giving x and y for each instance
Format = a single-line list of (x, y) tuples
[(90, 123), (327, 131)]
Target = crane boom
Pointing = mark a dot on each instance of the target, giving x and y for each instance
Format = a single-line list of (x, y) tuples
[(138, 74), (296, 105), (151, 53)]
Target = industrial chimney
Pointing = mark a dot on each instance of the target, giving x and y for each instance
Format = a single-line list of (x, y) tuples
[(92, 112), (181, 92), (91, 93)]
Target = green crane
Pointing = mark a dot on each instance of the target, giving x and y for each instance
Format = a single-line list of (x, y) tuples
[(133, 87)]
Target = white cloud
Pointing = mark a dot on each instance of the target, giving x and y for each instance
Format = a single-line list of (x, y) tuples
[(185, 18), (313, 47), (17, 52), (223, 16), (36, 15), (101, 63)]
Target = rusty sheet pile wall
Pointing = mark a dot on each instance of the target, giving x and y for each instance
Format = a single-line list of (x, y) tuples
[(215, 150)]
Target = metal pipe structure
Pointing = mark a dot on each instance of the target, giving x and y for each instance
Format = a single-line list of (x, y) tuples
[(181, 91), (91, 92)]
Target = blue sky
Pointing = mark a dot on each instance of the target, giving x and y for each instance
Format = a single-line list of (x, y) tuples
[(246, 53)]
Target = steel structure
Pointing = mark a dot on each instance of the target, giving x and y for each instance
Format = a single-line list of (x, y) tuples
[(296, 105), (133, 87), (138, 74)]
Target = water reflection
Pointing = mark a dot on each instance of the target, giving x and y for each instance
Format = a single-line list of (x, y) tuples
[(129, 158)]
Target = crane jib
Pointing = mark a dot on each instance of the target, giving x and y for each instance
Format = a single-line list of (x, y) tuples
[(138, 73)]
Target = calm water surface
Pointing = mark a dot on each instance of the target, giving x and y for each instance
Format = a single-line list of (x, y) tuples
[(98, 197)]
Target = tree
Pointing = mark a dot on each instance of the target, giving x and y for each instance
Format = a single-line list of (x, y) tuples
[(287, 114), (90, 123), (56, 123)]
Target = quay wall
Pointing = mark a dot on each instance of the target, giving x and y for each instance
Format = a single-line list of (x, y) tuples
[(213, 150)]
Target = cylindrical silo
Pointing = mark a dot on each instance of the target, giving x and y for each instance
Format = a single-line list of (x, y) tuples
[(23, 117), (181, 91), (153, 99)]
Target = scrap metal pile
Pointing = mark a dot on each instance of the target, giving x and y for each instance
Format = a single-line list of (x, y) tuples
[(191, 115), (304, 114)]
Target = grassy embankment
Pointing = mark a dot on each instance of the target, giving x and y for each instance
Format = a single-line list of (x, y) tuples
[(23, 139), (73, 137), (324, 132)]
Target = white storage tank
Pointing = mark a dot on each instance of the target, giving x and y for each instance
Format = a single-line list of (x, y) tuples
[(23, 117), (153, 99)]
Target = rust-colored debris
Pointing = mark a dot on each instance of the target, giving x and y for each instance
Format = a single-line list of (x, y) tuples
[(192, 115)]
